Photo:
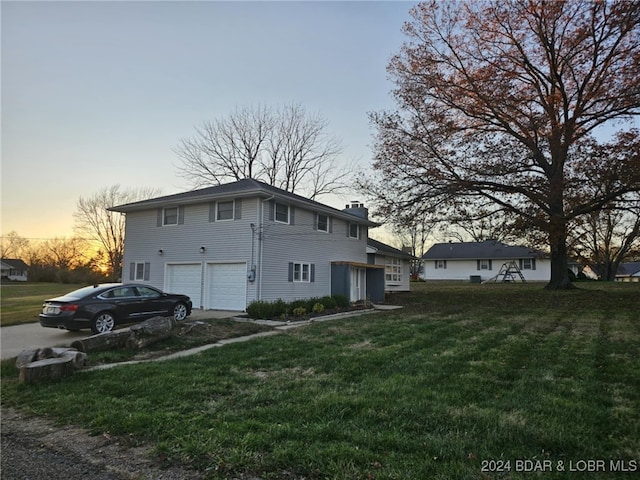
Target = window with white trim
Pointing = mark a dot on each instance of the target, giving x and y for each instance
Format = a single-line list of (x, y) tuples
[(393, 270), (141, 269), (282, 213), (170, 216), (527, 264), (301, 272), (441, 264), (354, 230), (224, 211), (485, 265)]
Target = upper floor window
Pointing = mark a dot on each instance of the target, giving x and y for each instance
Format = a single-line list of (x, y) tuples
[(323, 223), (170, 216), (354, 230), (225, 210), (282, 213)]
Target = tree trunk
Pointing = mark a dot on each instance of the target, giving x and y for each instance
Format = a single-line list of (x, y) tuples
[(47, 369), (102, 341), (559, 264), (150, 331)]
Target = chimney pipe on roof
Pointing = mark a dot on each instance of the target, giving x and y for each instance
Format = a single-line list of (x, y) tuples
[(357, 208)]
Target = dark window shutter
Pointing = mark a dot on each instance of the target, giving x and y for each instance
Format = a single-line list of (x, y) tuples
[(478, 264), (291, 271), (147, 267), (159, 222), (445, 264), (180, 215), (272, 210), (490, 265), (436, 263), (521, 264), (132, 271), (533, 264), (313, 272), (212, 212), (315, 221), (237, 212), (292, 215), (348, 229)]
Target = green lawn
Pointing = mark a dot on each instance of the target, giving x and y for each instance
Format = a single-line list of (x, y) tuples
[(465, 378), (22, 302)]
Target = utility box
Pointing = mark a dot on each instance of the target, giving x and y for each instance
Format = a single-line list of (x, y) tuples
[(475, 278)]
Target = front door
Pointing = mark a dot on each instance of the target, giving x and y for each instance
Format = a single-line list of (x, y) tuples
[(358, 284)]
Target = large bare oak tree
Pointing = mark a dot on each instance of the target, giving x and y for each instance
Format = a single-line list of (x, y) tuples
[(493, 97), (285, 147)]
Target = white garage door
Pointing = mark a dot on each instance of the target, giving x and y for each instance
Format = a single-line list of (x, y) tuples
[(227, 286), (185, 279)]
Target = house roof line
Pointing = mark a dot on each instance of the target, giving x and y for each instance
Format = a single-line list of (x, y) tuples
[(489, 249), (239, 189), (388, 250)]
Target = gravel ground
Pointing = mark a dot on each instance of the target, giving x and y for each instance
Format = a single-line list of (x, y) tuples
[(34, 448)]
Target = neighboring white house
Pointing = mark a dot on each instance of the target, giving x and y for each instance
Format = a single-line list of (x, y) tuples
[(397, 265), (14, 269), (470, 260), (228, 245)]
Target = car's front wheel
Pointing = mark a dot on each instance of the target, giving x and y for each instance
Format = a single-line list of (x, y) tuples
[(180, 312), (103, 323)]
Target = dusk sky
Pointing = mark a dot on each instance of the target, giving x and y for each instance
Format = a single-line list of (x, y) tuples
[(99, 93)]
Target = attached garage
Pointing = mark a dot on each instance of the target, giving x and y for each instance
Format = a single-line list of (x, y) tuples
[(226, 286), (186, 279)]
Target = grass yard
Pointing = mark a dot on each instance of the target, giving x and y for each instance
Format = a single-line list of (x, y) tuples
[(22, 302), (467, 381)]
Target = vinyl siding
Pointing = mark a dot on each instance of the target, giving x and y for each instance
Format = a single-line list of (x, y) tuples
[(405, 284), (224, 241), (231, 241), (301, 243)]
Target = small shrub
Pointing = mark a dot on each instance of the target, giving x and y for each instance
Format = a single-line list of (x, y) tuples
[(259, 309), (341, 301), (299, 311), (328, 302), (318, 308)]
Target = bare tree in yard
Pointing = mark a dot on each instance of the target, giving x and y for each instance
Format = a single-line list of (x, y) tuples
[(287, 148), (494, 96), (12, 245), (414, 232), (94, 221)]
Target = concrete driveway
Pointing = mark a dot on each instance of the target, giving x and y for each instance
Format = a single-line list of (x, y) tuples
[(16, 338)]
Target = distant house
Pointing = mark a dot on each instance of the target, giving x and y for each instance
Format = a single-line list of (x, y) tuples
[(228, 245), (14, 269), (628, 272), (397, 265), (464, 260)]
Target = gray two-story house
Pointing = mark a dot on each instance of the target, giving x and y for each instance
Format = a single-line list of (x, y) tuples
[(228, 245)]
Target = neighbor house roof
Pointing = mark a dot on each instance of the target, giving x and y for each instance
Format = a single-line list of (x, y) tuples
[(15, 263), (241, 188), (630, 269), (488, 249), (388, 250)]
